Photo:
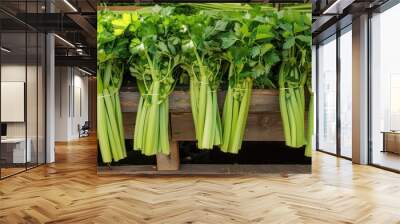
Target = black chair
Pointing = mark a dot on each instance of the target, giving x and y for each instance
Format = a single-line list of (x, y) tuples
[(84, 130)]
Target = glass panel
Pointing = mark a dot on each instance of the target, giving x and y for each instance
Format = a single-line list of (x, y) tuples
[(346, 94), (14, 153), (385, 84), (23, 86), (41, 99), (327, 96), (314, 82), (31, 98), (32, 88)]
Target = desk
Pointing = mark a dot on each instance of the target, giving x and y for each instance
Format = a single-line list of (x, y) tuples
[(18, 150), (391, 141)]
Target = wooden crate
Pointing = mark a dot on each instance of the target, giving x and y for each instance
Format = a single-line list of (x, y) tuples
[(263, 124)]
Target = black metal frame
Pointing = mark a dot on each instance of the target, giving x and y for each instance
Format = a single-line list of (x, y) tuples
[(338, 98), (44, 70), (369, 125)]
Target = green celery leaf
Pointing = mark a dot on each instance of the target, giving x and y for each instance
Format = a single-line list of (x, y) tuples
[(265, 48), (221, 25), (258, 70), (228, 41), (255, 51), (303, 38), (289, 43)]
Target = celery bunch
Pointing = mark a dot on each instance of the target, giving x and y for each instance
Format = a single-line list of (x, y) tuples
[(112, 53), (294, 74), (251, 54), (153, 62), (203, 62)]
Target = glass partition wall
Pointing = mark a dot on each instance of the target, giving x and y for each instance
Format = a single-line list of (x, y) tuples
[(345, 90), (385, 89), (334, 85), (327, 96), (22, 77)]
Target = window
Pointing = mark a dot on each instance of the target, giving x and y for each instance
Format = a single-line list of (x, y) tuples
[(346, 92), (22, 75), (385, 89), (327, 96)]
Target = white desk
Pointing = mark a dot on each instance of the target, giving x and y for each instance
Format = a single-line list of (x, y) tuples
[(19, 154)]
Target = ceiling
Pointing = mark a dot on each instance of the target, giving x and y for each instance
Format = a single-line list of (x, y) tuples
[(74, 22), (332, 15)]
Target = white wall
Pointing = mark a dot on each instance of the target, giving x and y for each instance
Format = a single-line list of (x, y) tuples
[(62, 81), (70, 83)]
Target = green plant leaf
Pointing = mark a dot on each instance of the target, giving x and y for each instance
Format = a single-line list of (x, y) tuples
[(258, 70), (265, 48), (289, 43), (303, 38), (163, 47), (220, 25), (255, 51), (228, 41)]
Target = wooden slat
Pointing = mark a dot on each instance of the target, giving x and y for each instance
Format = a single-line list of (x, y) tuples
[(207, 169), (179, 101), (260, 126), (129, 101), (129, 124), (264, 121), (171, 161), (265, 126)]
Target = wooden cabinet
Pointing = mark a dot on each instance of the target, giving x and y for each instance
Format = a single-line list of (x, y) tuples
[(391, 142)]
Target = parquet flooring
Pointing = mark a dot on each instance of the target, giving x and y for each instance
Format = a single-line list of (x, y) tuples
[(69, 191)]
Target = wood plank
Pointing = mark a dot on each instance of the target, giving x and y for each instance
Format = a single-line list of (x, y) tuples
[(129, 101), (179, 101), (129, 119), (206, 169), (265, 126), (260, 126), (171, 161)]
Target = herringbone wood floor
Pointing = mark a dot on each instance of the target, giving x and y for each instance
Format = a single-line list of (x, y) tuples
[(69, 191)]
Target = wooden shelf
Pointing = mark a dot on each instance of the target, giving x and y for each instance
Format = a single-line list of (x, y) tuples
[(205, 169), (264, 123)]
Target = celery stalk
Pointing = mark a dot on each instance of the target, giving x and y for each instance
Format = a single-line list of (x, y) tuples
[(152, 132)]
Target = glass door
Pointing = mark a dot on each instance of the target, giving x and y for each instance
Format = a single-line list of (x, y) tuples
[(346, 92), (385, 89), (14, 144), (22, 78), (327, 96)]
